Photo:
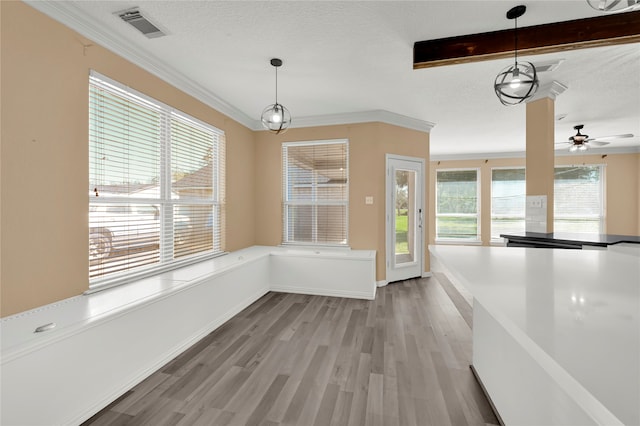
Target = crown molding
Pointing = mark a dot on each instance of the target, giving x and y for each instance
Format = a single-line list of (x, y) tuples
[(71, 16), (477, 156), (381, 116), (549, 90), (522, 154)]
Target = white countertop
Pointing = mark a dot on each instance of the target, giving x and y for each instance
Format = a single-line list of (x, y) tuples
[(581, 307)]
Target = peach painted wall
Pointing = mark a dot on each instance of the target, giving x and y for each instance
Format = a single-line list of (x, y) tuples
[(368, 145), (622, 189), (540, 154), (44, 162), (623, 192)]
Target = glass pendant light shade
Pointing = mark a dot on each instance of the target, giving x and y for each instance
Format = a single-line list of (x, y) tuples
[(276, 118), (519, 81), (576, 148), (516, 83)]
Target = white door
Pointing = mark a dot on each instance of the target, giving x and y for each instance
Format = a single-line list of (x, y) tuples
[(405, 214)]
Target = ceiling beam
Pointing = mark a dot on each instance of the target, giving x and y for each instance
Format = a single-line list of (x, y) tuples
[(606, 30)]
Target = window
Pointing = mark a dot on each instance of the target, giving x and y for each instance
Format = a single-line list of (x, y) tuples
[(155, 184), (579, 199), (316, 192), (508, 196), (457, 206)]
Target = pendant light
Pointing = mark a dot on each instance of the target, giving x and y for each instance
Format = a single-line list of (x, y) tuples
[(276, 118), (614, 5), (519, 81)]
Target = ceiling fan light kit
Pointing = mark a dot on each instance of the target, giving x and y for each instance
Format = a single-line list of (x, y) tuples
[(575, 148), (578, 138), (578, 141), (275, 117), (519, 81)]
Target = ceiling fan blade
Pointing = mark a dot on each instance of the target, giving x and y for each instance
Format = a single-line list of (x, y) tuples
[(624, 136), (563, 143), (598, 143)]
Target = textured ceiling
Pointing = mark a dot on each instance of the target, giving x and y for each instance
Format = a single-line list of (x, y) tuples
[(352, 57)]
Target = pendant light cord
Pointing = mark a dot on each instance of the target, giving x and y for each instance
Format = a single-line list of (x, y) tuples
[(276, 85), (516, 42)]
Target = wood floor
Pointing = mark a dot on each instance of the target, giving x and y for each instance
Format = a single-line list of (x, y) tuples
[(402, 359)]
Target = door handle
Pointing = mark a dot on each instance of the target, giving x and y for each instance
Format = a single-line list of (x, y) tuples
[(420, 218)]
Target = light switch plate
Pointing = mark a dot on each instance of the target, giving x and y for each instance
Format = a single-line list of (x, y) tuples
[(368, 199)]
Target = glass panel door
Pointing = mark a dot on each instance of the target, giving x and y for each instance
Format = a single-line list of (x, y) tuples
[(405, 245), (405, 216)]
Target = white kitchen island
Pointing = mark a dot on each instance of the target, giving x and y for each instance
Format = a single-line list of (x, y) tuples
[(556, 333)]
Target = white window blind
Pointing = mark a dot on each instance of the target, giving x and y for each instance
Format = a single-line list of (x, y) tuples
[(315, 191), (508, 198), (155, 184), (457, 205), (579, 199)]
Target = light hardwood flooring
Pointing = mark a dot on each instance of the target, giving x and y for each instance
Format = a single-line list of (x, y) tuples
[(402, 359)]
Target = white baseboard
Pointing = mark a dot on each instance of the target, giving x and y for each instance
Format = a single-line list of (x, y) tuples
[(323, 292), (382, 283), (427, 274)]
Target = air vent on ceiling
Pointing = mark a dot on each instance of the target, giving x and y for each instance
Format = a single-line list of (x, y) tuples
[(136, 19), (547, 66)]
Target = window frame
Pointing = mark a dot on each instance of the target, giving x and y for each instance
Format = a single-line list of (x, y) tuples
[(286, 239), (164, 201), (478, 214)]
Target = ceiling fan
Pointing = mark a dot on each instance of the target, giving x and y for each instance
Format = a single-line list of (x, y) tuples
[(580, 142), (614, 5)]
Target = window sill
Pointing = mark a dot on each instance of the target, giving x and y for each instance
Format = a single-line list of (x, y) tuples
[(459, 242), (303, 246), (110, 282)]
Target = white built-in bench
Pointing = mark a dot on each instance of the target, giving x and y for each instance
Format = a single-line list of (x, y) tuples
[(105, 343)]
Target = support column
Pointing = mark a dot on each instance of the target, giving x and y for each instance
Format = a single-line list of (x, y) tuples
[(540, 159)]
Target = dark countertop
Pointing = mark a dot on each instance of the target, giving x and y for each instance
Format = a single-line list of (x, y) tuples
[(600, 240)]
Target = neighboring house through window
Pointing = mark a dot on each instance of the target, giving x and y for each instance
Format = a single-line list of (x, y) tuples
[(315, 192), (155, 184)]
